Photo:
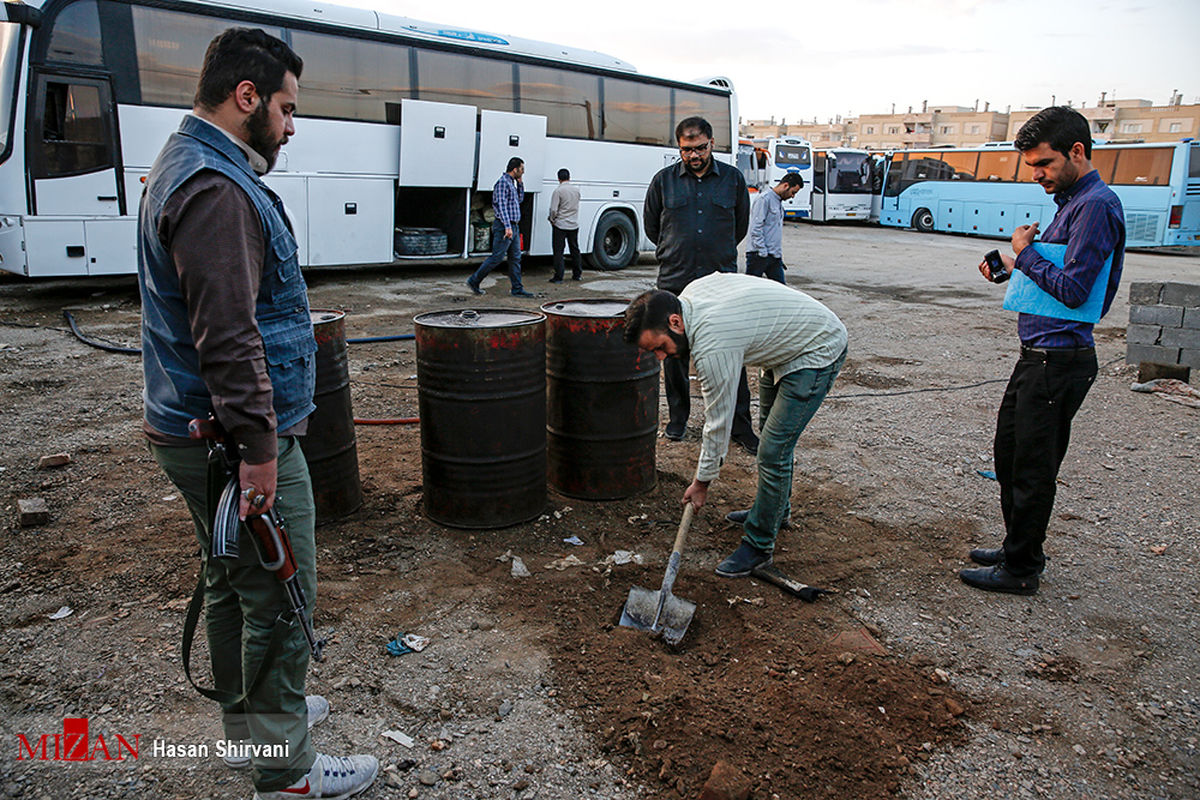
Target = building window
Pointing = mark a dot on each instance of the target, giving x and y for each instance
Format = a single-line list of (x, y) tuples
[(947, 129), (1175, 127), (1131, 127), (870, 129), (893, 129), (974, 129)]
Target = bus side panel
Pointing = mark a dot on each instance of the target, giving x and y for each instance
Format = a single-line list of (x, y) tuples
[(55, 247), (111, 246), (12, 245), (350, 221), (949, 216)]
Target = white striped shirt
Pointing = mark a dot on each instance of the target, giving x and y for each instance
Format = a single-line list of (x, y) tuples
[(731, 320)]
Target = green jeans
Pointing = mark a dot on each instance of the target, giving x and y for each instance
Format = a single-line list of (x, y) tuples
[(241, 603)]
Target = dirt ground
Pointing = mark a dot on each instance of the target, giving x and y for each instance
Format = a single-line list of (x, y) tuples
[(900, 682)]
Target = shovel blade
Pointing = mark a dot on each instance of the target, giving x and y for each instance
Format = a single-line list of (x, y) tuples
[(658, 613), (641, 609), (675, 617)]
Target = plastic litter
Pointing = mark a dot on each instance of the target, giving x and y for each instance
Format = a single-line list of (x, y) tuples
[(620, 557), (565, 563), (406, 643), (519, 570), (575, 540), (62, 613), (987, 473), (399, 737)]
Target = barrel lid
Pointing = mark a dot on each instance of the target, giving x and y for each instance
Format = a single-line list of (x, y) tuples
[(319, 315), (478, 318), (593, 308)]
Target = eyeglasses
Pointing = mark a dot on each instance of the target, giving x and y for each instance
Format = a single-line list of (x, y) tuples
[(698, 149)]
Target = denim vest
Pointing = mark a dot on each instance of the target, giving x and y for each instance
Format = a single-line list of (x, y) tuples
[(175, 393)]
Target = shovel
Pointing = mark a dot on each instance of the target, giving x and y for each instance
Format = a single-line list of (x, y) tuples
[(662, 612)]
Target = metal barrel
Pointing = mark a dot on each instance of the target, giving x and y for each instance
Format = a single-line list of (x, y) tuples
[(602, 402), (481, 384), (329, 445)]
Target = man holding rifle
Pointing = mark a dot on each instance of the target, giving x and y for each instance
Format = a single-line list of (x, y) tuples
[(226, 331)]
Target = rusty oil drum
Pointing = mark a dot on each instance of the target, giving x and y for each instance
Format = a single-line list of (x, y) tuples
[(481, 383), (602, 409), (329, 446)]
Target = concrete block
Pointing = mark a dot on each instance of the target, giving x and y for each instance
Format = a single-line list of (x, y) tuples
[(1144, 334), (32, 511), (1137, 353), (1167, 316), (1190, 358), (1145, 294), (62, 459), (1181, 294), (1181, 337), (1152, 372), (1191, 318)]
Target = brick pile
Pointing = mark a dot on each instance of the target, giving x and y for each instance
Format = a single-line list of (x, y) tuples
[(1164, 324)]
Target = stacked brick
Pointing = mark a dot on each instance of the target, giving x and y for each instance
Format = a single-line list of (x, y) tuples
[(1164, 324)]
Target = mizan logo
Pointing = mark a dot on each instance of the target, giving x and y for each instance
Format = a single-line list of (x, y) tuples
[(74, 744)]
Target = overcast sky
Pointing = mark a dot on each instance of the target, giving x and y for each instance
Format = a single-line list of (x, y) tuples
[(805, 59)]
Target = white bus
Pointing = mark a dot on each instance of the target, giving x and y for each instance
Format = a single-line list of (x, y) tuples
[(403, 128), (843, 181), (774, 158)]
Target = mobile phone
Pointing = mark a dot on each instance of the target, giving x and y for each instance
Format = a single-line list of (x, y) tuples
[(996, 266)]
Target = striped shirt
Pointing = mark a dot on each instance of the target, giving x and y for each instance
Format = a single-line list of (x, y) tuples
[(731, 320), (1091, 222), (507, 195)]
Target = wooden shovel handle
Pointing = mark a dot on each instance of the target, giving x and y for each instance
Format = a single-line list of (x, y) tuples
[(684, 524)]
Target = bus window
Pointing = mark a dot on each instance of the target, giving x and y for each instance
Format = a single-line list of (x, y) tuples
[(713, 107), (1148, 167), (791, 156), (819, 165), (350, 78), (456, 78), (639, 113), (75, 134), (1104, 161), (1000, 165), (1194, 162), (570, 101), (960, 166), (894, 175), (921, 167), (170, 50), (850, 173), (10, 78), (75, 37)]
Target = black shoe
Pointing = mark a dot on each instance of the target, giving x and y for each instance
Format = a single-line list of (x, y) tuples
[(740, 517), (474, 287), (675, 432), (576, 277), (749, 442), (746, 558), (556, 280), (999, 579), (990, 556), (521, 293)]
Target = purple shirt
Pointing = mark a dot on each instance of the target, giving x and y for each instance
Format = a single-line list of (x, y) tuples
[(1091, 223)]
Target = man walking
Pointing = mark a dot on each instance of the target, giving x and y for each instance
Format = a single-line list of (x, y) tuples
[(226, 330), (765, 254), (725, 322), (1057, 364), (564, 222), (507, 196), (696, 212)]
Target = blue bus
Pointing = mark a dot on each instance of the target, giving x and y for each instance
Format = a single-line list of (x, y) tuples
[(988, 191)]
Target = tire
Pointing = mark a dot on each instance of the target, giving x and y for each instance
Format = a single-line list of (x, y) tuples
[(615, 244), (420, 242), (923, 220)]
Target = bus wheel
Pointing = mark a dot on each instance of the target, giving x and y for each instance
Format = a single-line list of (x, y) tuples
[(923, 220), (615, 243)]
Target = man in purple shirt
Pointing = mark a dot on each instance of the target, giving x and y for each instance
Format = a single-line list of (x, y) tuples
[(507, 195), (1058, 357)]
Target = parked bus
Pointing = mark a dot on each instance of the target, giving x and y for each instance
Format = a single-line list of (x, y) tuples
[(403, 128), (773, 158), (988, 191), (843, 178)]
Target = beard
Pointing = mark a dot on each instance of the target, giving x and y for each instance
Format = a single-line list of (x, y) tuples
[(258, 126), (681, 344)]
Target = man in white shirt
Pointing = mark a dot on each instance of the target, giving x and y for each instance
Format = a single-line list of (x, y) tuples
[(564, 222), (725, 321), (764, 256)]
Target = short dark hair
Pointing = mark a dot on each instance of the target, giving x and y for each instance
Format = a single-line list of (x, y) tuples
[(693, 124), (244, 54), (1058, 126), (513, 163), (564, 174), (793, 179), (650, 311)]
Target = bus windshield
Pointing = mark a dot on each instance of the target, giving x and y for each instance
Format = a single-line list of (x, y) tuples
[(788, 156), (850, 173), (10, 48)]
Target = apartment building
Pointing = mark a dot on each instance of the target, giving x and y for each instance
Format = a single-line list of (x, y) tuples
[(1132, 120)]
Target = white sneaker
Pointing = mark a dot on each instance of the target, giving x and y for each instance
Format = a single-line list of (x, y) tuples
[(318, 711), (330, 778)]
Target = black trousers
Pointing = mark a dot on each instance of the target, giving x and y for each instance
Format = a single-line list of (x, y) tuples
[(679, 397), (558, 238), (1033, 429)]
